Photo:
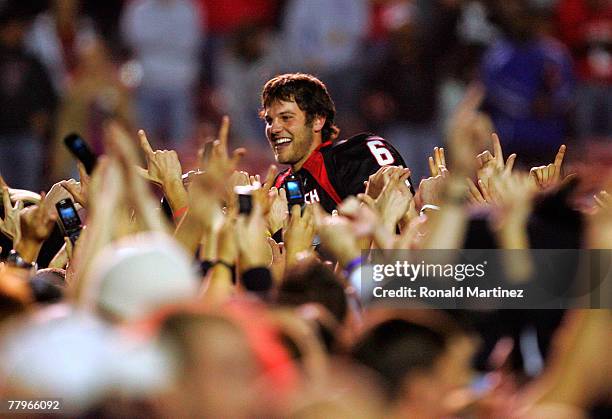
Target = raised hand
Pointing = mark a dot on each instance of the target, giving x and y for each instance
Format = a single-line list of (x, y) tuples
[(219, 161), (513, 198), (162, 165), (59, 192), (437, 162), (431, 189), (204, 217), (262, 196), (337, 235), (490, 165), (475, 196), (279, 260), (395, 199), (363, 216), (361, 211), (164, 169), (106, 211), (486, 192), (252, 240), (489, 190), (550, 175), (80, 190), (299, 233), (105, 188), (603, 199), (137, 193), (37, 222), (468, 131), (278, 213), (205, 197), (28, 197), (10, 226), (514, 201), (375, 183), (237, 178), (36, 225)]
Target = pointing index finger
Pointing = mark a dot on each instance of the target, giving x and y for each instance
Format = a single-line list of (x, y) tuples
[(144, 142), (442, 158), (432, 167), (497, 149), (6, 200), (224, 131), (560, 156)]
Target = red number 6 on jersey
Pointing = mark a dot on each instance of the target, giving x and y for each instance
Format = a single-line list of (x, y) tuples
[(380, 152)]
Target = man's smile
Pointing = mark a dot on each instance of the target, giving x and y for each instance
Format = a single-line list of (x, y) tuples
[(281, 142)]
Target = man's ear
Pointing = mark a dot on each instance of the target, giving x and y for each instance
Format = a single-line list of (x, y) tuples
[(318, 122)]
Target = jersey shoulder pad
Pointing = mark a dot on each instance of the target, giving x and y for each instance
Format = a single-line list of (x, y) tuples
[(355, 159), (366, 147)]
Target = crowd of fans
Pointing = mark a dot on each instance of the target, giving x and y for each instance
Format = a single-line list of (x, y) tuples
[(174, 67), (501, 111)]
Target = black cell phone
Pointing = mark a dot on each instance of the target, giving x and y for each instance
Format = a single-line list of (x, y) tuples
[(245, 197), (69, 219), (81, 150), (295, 190), (245, 203)]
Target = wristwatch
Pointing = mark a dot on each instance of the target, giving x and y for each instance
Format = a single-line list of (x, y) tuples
[(14, 259)]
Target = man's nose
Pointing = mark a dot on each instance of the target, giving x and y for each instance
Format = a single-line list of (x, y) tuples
[(276, 127)]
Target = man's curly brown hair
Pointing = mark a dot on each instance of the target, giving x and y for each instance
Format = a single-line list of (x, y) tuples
[(309, 93)]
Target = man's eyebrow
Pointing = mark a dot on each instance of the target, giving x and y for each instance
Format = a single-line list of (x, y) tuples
[(267, 115)]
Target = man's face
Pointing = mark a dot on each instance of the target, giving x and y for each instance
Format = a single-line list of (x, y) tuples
[(292, 139)]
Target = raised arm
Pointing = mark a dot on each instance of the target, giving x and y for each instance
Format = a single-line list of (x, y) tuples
[(164, 169)]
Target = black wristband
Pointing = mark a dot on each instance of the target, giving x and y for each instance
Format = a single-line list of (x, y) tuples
[(205, 266), (257, 279), (15, 260), (232, 268)]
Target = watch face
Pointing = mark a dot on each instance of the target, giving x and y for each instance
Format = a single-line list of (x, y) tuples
[(15, 259)]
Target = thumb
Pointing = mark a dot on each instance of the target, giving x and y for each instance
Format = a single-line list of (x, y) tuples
[(68, 247), (145, 174), (510, 163), (366, 199)]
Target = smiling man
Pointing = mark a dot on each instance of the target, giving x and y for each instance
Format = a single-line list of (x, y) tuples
[(299, 115)]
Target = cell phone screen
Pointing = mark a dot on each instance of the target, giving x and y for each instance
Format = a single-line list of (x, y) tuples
[(68, 215), (293, 190)]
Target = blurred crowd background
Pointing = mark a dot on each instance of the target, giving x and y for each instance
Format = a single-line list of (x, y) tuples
[(394, 67)]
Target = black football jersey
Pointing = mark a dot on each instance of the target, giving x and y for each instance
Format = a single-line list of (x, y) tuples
[(335, 171)]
